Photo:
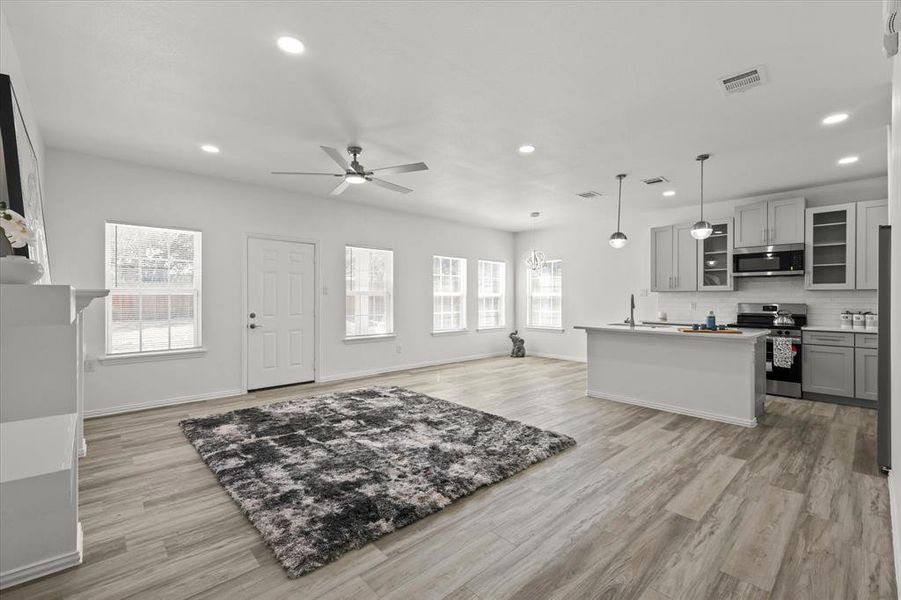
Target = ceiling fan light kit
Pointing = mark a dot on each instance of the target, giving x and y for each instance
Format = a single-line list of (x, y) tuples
[(355, 174), (618, 239), (702, 229)]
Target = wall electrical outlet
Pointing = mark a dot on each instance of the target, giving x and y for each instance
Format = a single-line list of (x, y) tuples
[(643, 293), (398, 349), (325, 290), (693, 305), (90, 365)]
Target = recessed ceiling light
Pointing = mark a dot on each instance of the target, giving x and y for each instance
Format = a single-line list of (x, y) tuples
[(669, 193), (836, 118), (289, 44), (526, 149), (210, 148), (847, 160)]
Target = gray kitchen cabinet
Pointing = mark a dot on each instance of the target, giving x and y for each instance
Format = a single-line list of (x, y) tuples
[(828, 370), (830, 248), (715, 258), (662, 259), (770, 222), (870, 215), (674, 255), (750, 225), (866, 368), (785, 221)]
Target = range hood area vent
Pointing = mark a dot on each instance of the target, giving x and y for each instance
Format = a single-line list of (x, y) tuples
[(654, 180), (589, 194), (744, 80)]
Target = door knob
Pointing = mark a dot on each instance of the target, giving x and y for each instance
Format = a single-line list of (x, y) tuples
[(253, 315), (255, 326)]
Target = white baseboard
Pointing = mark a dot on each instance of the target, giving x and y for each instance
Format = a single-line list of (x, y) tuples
[(125, 408), (43, 567), (580, 359), (394, 369), (894, 504), (668, 408)]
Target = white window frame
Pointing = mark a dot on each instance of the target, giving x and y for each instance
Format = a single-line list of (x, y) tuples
[(196, 349), (438, 296), (531, 297), (501, 296), (387, 295)]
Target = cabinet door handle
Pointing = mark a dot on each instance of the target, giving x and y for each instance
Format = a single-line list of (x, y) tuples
[(763, 235), (773, 233)]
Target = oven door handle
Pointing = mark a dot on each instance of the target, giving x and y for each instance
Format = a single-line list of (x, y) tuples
[(792, 340)]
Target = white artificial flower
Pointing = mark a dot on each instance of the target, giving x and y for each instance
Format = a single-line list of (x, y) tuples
[(15, 229)]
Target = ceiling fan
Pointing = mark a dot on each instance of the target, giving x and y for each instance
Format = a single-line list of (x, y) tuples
[(354, 173)]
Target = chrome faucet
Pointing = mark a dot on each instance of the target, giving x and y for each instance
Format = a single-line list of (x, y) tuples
[(631, 319)]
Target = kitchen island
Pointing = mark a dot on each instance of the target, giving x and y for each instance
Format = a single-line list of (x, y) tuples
[(716, 376)]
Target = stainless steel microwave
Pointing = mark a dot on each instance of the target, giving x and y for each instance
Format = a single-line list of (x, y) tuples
[(768, 261)]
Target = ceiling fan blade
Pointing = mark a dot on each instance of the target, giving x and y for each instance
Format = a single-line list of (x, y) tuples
[(338, 190), (390, 186), (299, 173), (420, 166), (337, 157)]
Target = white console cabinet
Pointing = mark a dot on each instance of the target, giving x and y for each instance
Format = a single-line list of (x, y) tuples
[(41, 432)]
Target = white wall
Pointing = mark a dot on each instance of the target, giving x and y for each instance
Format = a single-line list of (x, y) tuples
[(84, 191), (597, 279)]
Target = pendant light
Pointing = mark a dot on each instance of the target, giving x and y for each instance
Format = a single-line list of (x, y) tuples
[(535, 259), (702, 229), (618, 239)]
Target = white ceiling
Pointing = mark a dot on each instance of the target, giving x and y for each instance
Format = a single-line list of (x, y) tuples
[(599, 88)]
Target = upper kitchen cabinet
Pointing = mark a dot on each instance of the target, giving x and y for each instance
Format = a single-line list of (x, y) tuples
[(870, 215), (830, 247), (715, 258), (674, 255), (770, 222)]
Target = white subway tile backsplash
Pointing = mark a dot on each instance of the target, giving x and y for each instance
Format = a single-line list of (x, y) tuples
[(823, 307)]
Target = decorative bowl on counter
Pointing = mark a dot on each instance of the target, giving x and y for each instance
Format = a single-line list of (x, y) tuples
[(20, 270)]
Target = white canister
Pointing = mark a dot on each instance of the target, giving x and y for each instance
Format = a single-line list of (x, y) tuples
[(845, 320), (859, 320), (872, 322)]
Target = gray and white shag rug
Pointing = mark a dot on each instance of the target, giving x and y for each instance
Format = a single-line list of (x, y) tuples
[(324, 475)]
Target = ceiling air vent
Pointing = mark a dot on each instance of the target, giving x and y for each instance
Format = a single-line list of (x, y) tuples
[(745, 80), (654, 180), (589, 194)]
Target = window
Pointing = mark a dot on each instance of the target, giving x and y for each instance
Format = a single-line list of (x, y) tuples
[(545, 296), (369, 291), (448, 293), (153, 275), (492, 286)]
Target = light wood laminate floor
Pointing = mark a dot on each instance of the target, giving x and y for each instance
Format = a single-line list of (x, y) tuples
[(648, 505)]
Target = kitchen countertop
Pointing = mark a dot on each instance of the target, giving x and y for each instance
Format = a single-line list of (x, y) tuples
[(836, 329), (747, 335)]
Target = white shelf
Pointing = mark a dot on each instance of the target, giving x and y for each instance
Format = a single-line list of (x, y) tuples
[(33, 447)]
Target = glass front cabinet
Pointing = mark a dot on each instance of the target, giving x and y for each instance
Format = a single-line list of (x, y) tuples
[(715, 257), (830, 247)]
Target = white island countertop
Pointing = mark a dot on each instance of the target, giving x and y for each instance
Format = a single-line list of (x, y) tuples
[(746, 335)]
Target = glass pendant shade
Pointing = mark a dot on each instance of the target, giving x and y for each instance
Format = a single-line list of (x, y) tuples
[(535, 259), (618, 240), (701, 230)]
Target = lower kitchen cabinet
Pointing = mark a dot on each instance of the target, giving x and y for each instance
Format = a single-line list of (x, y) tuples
[(866, 366), (828, 370), (842, 364)]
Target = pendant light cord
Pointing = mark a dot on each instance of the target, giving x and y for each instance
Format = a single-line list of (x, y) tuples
[(702, 190), (619, 204)]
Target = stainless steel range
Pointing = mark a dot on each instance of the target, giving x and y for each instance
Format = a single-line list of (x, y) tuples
[(783, 375)]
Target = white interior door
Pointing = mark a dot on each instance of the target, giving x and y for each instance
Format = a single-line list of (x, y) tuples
[(280, 312)]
